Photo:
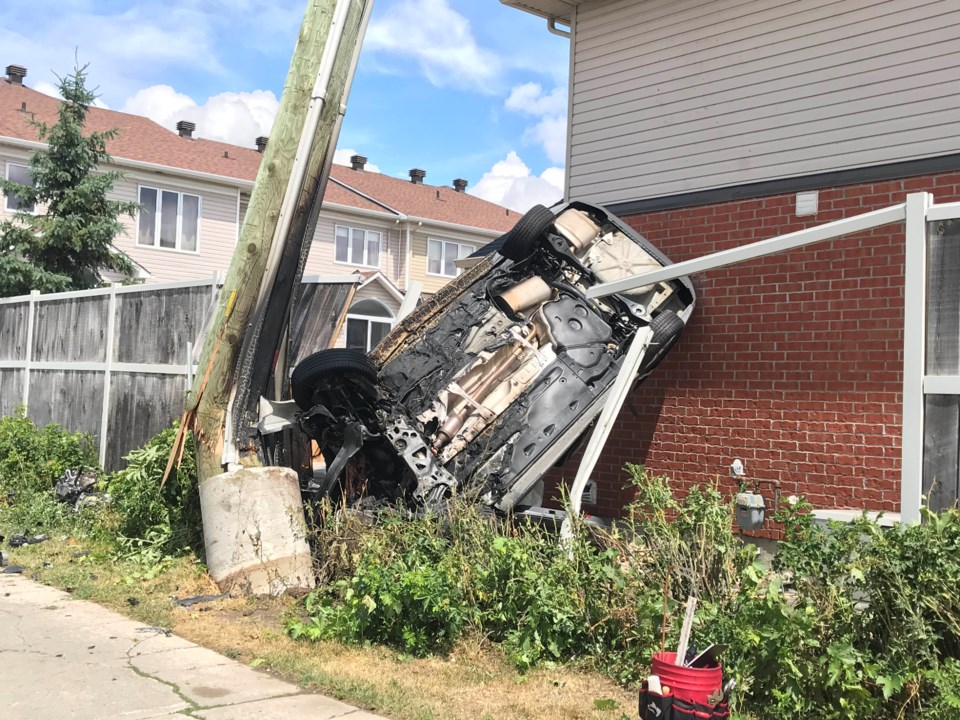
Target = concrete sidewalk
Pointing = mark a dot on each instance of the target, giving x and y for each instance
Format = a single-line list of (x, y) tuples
[(63, 658)]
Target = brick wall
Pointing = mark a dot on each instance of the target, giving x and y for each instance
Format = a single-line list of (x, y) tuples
[(791, 363)]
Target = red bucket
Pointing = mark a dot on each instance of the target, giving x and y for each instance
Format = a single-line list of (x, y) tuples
[(694, 685)]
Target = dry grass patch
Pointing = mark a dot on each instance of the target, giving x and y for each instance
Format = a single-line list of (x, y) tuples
[(474, 681)]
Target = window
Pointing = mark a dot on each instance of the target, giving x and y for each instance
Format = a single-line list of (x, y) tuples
[(18, 174), (442, 254), (169, 220), (368, 322), (353, 246)]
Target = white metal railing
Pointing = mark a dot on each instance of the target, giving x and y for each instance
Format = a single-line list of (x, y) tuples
[(917, 211)]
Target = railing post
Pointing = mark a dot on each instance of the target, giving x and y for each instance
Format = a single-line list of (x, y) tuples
[(107, 379), (31, 310), (914, 355)]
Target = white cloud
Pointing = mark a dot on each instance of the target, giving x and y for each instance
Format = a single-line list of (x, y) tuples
[(510, 183), (237, 118), (124, 48), (551, 134), (550, 130), (54, 92), (439, 39), (47, 89), (343, 155), (529, 98)]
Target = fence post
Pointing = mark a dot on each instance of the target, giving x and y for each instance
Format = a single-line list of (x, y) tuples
[(914, 362), (31, 309), (110, 345)]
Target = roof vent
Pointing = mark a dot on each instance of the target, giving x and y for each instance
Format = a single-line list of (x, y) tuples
[(185, 128), (16, 74), (417, 175), (261, 143), (358, 162), (460, 185)]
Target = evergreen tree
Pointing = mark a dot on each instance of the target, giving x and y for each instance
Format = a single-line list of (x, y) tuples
[(66, 244)]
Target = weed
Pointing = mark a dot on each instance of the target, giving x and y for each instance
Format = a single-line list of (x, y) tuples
[(149, 519), (31, 460), (869, 626)]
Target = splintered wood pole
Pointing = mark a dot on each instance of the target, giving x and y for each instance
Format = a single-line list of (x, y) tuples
[(292, 171)]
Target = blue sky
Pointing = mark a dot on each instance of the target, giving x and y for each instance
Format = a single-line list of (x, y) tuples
[(460, 88)]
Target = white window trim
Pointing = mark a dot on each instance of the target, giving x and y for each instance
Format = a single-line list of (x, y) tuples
[(6, 207), (351, 228), (370, 319), (473, 249), (156, 228)]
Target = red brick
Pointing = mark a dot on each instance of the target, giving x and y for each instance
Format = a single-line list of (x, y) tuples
[(792, 363)]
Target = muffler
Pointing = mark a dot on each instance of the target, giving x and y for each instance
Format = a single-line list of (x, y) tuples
[(524, 296), (579, 230)]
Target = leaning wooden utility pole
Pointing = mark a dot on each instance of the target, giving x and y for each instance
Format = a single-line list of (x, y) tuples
[(266, 264), (259, 235)]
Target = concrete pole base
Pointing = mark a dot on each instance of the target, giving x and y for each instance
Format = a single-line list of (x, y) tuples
[(254, 532)]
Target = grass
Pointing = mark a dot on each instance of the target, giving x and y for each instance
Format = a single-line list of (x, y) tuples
[(473, 681)]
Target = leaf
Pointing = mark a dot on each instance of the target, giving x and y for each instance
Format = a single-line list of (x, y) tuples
[(605, 704), (891, 684), (257, 662)]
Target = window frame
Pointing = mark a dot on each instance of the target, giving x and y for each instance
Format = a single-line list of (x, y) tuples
[(158, 218), (6, 198), (388, 320), (366, 232), (443, 244)]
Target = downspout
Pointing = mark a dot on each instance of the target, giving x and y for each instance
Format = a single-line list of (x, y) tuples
[(568, 154), (552, 27), (407, 259)]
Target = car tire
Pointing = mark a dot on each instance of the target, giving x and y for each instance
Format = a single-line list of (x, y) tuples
[(666, 330), (520, 242), (314, 368)]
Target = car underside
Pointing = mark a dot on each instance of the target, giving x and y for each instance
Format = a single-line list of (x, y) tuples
[(495, 379)]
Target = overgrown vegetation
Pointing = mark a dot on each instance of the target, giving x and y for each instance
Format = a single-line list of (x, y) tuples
[(141, 521), (852, 621), (31, 460), (142, 514), (68, 241), (849, 621)]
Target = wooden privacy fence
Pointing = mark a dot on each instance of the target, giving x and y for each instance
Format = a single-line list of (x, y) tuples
[(112, 362), (117, 362)]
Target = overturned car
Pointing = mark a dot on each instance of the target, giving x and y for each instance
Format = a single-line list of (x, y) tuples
[(497, 377)]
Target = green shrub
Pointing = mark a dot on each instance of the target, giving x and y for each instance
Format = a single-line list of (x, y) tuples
[(404, 592), (144, 514), (31, 460), (852, 620), (418, 583), (871, 628)]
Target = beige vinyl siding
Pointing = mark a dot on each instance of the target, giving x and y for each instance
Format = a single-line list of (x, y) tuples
[(321, 260), (418, 248), (673, 97), (217, 232), (217, 229)]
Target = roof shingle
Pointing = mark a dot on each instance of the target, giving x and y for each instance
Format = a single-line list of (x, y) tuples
[(143, 140)]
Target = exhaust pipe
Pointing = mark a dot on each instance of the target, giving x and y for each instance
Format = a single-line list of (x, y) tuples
[(524, 296)]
